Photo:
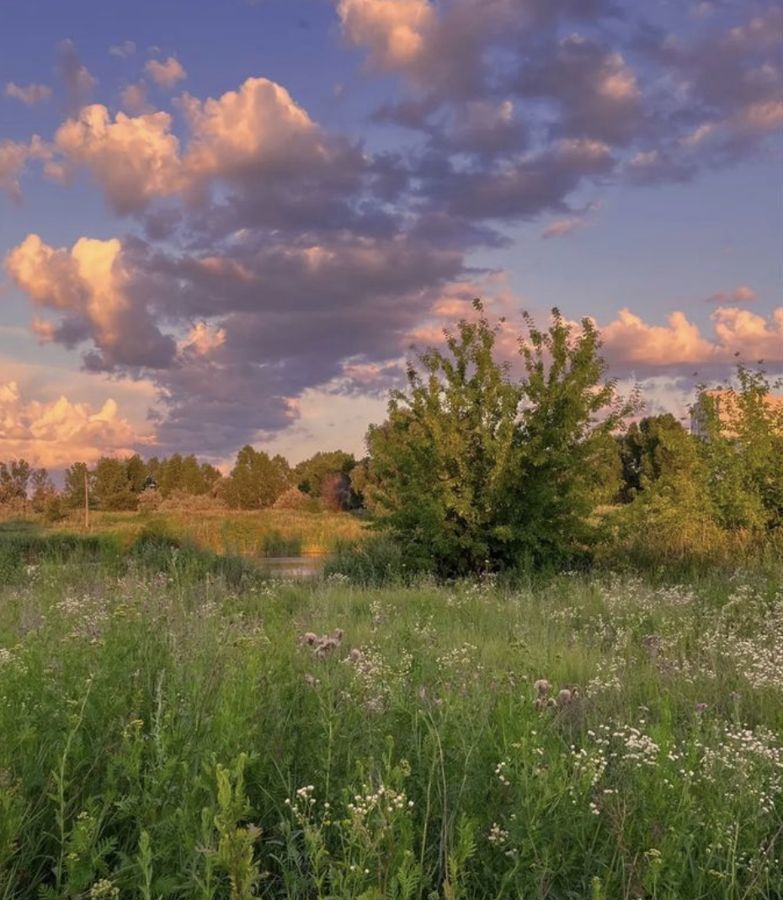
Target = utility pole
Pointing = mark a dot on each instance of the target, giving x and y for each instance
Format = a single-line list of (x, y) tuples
[(86, 502)]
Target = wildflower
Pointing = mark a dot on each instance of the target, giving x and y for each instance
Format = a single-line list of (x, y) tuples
[(497, 835), (105, 889), (700, 707), (542, 687)]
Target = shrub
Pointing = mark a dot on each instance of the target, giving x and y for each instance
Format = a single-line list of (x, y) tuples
[(293, 498), (475, 470), (149, 500), (181, 501)]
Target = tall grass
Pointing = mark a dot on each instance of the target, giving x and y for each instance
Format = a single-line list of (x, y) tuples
[(169, 728), (234, 533)]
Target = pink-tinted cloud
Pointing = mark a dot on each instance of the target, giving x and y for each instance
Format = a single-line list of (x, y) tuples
[(166, 74), (562, 227), (632, 344), (13, 159), (29, 94), (394, 31), (88, 287), (55, 434), (133, 98), (743, 293), (134, 158), (258, 132)]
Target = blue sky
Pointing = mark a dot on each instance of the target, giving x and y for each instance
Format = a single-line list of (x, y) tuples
[(231, 221)]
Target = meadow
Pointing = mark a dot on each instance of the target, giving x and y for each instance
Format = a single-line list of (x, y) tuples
[(256, 533), (172, 724)]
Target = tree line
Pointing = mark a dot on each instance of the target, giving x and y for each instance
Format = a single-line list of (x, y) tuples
[(255, 481), (478, 469)]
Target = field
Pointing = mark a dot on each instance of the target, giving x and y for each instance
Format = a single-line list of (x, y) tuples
[(266, 532), (175, 726)]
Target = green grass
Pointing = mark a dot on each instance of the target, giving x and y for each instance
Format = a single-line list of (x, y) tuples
[(229, 532), (167, 731)]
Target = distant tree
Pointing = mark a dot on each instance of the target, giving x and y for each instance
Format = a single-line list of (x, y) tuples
[(256, 480), (14, 481), (186, 475), (42, 490), (73, 490), (112, 487), (743, 454), (654, 447), (327, 475), (137, 473), (475, 470)]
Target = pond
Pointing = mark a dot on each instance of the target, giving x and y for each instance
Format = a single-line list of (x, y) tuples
[(292, 566)]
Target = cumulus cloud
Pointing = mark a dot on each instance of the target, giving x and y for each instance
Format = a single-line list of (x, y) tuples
[(258, 127), (252, 138), (29, 94), (54, 434), (270, 256), (88, 286), (165, 74), (134, 158), (631, 344), (394, 31)]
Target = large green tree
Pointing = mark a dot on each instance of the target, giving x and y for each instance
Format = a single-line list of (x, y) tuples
[(76, 476), (256, 480), (112, 486), (475, 469)]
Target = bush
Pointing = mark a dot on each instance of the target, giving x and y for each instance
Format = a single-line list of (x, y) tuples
[(181, 501), (149, 500), (475, 471), (293, 498)]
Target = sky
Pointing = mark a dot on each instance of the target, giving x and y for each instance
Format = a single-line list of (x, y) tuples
[(230, 223)]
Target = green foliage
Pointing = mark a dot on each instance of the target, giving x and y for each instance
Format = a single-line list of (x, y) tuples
[(112, 488), (327, 477), (256, 480), (655, 447), (744, 453), (183, 473), (375, 560), (14, 480), (474, 470), (275, 543), (76, 476), (700, 496)]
